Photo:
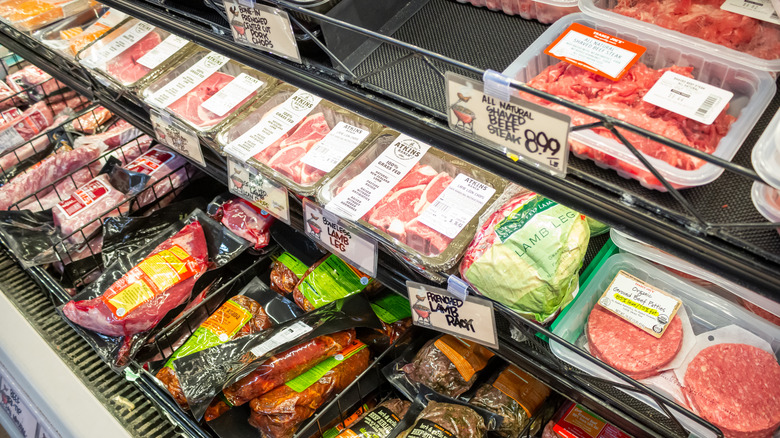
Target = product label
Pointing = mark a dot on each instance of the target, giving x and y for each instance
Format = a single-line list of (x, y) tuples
[(335, 147), (597, 52), (273, 126), (454, 208), (519, 218), (11, 114), (377, 423), (639, 303), (468, 357), (578, 423), (154, 275), (315, 373), (174, 134), (391, 308), (119, 45), (376, 181), (85, 196), (234, 93), (187, 81), (16, 405), (688, 97), (428, 429), (162, 52), (262, 27), (248, 183), (758, 9), (149, 162), (333, 279), (10, 138), (288, 334), (111, 18), (523, 388), (293, 264)]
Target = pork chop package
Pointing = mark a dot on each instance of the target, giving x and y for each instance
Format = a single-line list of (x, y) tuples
[(721, 102), (652, 325), (205, 89), (243, 218), (413, 197), (120, 310), (133, 55), (31, 15), (545, 11), (296, 137)]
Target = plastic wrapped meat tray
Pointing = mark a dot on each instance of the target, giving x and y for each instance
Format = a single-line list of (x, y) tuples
[(59, 35), (546, 11), (282, 159), (30, 15), (431, 251), (752, 91)]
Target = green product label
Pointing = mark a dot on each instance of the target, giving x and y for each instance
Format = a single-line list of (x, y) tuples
[(517, 219), (332, 280), (391, 308), (293, 264), (315, 373)]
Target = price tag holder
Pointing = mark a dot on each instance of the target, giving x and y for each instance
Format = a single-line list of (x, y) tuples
[(340, 237), (523, 130), (248, 183), (471, 318), (174, 134), (15, 404), (262, 27)]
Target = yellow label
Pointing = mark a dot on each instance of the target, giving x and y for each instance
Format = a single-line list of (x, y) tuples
[(635, 305), (468, 358), (131, 297), (227, 320)]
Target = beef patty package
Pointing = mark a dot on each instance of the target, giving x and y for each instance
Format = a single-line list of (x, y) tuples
[(134, 54), (419, 199), (296, 137)]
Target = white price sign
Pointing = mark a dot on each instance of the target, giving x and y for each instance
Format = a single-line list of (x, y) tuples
[(523, 130), (177, 136), (262, 27), (248, 183)]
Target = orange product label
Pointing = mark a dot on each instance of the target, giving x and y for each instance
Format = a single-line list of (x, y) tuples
[(153, 276), (227, 320), (598, 52), (523, 388), (71, 33), (468, 357)]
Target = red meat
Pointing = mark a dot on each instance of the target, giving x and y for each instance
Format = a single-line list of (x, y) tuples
[(190, 106), (247, 221), (119, 134), (160, 163), (90, 122), (175, 266), (125, 67), (80, 211), (28, 124)]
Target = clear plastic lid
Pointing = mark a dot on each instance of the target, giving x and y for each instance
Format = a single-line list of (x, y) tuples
[(30, 15), (766, 153), (767, 201), (752, 90), (702, 25), (58, 35), (546, 11)]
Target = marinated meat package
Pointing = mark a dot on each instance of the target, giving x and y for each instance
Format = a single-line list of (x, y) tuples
[(328, 280), (447, 419), (419, 199), (286, 271), (670, 347), (378, 422), (247, 220), (134, 54), (718, 126), (396, 316), (92, 121), (546, 11), (206, 88), (30, 15), (296, 137), (574, 421)]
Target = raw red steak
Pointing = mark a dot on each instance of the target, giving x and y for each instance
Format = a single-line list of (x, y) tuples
[(125, 67), (285, 154), (737, 388), (137, 302), (628, 348), (247, 221), (190, 106)]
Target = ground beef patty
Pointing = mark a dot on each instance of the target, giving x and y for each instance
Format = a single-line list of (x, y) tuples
[(737, 388), (628, 348)]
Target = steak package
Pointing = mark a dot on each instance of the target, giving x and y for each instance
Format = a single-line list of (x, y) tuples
[(328, 280), (697, 349), (205, 89), (546, 11), (297, 138), (720, 106), (134, 54), (247, 220), (30, 15), (416, 198)]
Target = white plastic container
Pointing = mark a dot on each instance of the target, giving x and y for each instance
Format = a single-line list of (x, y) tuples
[(766, 153), (767, 201), (602, 9), (752, 90), (545, 11)]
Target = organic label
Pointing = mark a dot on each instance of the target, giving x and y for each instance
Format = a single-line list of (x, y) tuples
[(288, 334), (224, 100), (377, 423), (174, 134), (85, 196), (118, 45), (758, 9), (162, 52), (332, 149), (454, 208), (187, 81), (469, 358), (332, 280), (428, 429), (639, 303), (248, 183), (523, 388), (262, 27), (149, 162), (595, 51), (315, 373), (688, 97), (391, 308)]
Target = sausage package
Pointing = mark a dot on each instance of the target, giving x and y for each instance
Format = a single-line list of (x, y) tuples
[(329, 279)]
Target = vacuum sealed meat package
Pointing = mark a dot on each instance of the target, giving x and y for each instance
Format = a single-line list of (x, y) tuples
[(30, 15), (286, 272), (247, 220), (327, 280), (378, 422), (457, 421)]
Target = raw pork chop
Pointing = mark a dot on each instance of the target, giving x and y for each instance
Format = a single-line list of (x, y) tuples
[(125, 67), (190, 106)]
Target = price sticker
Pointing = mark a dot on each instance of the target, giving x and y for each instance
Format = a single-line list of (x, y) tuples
[(248, 183), (688, 97), (472, 318), (340, 237), (174, 134), (523, 130), (262, 27), (16, 405), (759, 9)]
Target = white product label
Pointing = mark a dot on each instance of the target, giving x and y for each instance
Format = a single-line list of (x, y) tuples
[(187, 81), (10, 138), (177, 136), (15, 405), (162, 52), (457, 205), (332, 149), (288, 334), (339, 237), (248, 183), (758, 9), (111, 18), (234, 93), (688, 97), (598, 54), (118, 45), (639, 303), (273, 126), (264, 28), (434, 308), (384, 173), (72, 8)]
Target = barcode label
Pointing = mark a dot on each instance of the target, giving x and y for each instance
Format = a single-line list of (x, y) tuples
[(759, 9), (461, 200), (707, 105), (688, 97)]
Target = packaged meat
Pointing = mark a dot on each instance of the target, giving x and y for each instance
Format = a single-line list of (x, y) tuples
[(299, 152), (25, 126), (659, 360), (92, 120), (725, 29), (574, 421), (546, 11), (34, 82), (428, 206), (624, 99), (457, 421), (120, 133), (328, 280), (335, 427), (237, 317), (527, 255), (766, 153), (515, 395), (767, 201), (30, 15), (57, 36), (448, 365), (13, 162), (247, 220), (206, 88), (278, 413), (286, 271), (378, 422), (134, 54), (91, 33), (167, 170)]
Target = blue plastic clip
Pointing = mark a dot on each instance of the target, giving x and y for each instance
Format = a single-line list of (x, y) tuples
[(247, 3), (497, 85), (457, 287)]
